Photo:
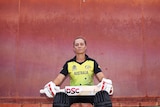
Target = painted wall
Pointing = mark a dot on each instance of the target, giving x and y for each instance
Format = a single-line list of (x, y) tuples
[(36, 39)]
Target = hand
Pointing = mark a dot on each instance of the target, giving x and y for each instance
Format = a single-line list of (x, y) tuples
[(106, 84), (50, 89)]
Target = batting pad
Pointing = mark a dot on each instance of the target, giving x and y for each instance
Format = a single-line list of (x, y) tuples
[(61, 100), (102, 99)]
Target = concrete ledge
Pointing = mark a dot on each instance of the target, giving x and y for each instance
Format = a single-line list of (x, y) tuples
[(117, 101)]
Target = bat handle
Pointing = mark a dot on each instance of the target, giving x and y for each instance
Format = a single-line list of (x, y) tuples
[(42, 91)]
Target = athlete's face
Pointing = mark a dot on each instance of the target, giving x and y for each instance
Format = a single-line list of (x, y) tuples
[(79, 46)]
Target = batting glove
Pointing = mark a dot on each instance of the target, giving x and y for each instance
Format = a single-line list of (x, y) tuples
[(50, 89), (106, 84)]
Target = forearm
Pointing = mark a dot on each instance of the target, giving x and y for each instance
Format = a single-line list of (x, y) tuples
[(100, 76), (59, 79)]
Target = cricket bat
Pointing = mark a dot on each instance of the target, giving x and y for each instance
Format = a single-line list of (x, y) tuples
[(105, 84), (78, 90)]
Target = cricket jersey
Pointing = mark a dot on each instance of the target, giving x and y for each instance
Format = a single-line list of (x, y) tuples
[(81, 73)]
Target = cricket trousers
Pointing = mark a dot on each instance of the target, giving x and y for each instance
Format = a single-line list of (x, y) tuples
[(100, 99)]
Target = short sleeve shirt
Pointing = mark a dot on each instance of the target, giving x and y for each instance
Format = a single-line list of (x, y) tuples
[(81, 73)]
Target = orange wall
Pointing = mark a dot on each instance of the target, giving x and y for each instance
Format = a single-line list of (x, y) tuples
[(36, 39)]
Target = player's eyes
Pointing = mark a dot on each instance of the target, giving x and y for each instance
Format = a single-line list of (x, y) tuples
[(76, 44), (79, 44)]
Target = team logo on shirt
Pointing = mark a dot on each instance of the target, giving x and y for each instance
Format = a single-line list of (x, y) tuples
[(74, 68), (87, 67)]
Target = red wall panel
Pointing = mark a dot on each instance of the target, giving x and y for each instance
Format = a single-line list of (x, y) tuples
[(36, 39), (8, 34)]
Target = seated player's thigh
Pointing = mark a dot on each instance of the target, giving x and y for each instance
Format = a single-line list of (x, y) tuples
[(86, 105), (81, 105), (76, 105)]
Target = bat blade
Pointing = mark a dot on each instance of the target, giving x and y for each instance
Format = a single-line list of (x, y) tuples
[(81, 90)]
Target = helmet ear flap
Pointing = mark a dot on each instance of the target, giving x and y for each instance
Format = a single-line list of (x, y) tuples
[(102, 99), (61, 100)]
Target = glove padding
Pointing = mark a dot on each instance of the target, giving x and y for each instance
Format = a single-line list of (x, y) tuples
[(106, 84), (50, 89)]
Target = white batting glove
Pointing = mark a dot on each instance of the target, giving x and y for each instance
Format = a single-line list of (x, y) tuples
[(106, 84), (50, 89)]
